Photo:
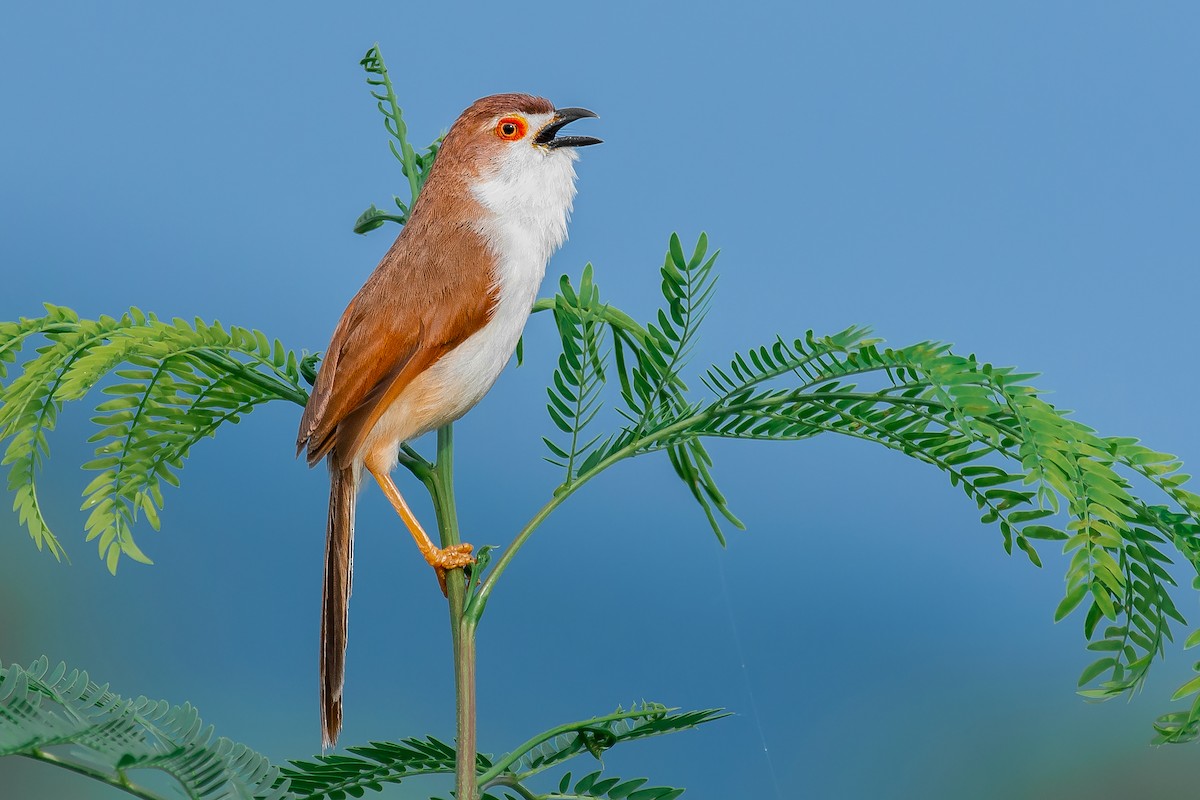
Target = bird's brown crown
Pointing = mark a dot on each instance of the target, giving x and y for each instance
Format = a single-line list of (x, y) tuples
[(473, 134), (513, 102)]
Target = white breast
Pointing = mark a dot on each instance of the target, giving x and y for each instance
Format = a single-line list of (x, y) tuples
[(528, 201)]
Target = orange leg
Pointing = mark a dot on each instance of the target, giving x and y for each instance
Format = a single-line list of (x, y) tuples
[(440, 558)]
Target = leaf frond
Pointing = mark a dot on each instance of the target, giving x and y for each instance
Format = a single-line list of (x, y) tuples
[(62, 717), (597, 786), (579, 377), (167, 386), (369, 767), (647, 361), (1020, 459), (596, 735), (415, 166)]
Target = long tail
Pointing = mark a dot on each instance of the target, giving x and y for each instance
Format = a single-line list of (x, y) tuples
[(335, 601)]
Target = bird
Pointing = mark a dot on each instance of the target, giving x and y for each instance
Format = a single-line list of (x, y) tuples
[(429, 332)]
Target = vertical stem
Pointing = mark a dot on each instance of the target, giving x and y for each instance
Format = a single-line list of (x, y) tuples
[(464, 688), (462, 628)]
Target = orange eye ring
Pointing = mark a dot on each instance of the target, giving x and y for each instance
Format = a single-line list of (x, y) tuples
[(512, 128)]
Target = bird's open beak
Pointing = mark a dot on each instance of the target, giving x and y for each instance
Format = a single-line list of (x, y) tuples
[(547, 135)]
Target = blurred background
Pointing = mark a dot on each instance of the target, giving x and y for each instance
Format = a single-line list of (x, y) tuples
[(1022, 182)]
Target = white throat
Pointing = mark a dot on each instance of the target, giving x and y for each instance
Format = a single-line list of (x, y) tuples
[(527, 199)]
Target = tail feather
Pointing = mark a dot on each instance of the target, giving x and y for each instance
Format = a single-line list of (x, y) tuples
[(335, 600)]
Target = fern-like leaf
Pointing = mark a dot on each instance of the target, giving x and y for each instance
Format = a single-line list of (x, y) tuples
[(30, 404), (60, 716), (649, 367), (574, 391), (370, 767), (1014, 454), (596, 786), (648, 360), (414, 165), (594, 736), (177, 383), (653, 376)]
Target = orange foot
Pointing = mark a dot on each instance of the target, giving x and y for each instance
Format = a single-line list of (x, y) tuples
[(455, 556)]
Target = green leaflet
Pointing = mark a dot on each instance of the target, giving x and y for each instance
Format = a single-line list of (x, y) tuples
[(61, 716), (593, 785), (168, 385), (647, 361), (594, 736), (414, 165), (369, 767), (574, 391), (29, 405)]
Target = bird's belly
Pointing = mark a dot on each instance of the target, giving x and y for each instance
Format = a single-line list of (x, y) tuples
[(453, 385), (463, 376)]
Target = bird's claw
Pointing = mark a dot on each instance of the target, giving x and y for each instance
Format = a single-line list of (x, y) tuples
[(456, 556)]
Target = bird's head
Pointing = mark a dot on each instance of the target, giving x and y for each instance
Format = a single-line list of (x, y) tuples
[(520, 126), (512, 132), (511, 153)]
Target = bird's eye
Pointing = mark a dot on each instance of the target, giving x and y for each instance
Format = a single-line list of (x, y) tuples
[(511, 128)]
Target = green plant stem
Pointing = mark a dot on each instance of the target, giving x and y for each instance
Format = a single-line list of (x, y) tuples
[(496, 773), (479, 601), (464, 689), (613, 316), (116, 781), (512, 783), (462, 627)]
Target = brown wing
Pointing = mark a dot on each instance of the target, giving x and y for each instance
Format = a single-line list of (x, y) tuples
[(428, 295)]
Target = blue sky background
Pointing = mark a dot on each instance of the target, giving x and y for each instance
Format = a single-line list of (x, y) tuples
[(1022, 181)]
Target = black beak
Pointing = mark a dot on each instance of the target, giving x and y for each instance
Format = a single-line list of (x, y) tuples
[(562, 117)]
